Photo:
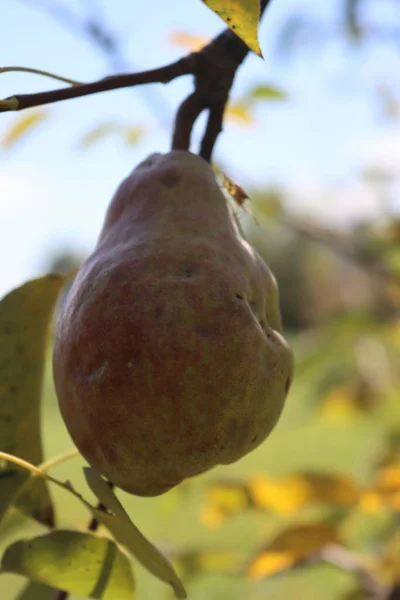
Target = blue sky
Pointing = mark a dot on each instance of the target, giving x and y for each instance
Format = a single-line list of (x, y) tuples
[(54, 194)]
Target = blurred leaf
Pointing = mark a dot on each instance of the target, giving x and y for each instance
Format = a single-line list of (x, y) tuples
[(127, 534), (240, 113), (98, 133), (21, 126), (267, 92), (280, 495), (242, 17), (290, 493), (290, 547), (79, 563), (132, 135), (209, 561), (188, 41), (223, 499), (25, 315)]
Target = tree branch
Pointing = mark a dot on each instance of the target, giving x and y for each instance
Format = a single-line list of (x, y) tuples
[(214, 68)]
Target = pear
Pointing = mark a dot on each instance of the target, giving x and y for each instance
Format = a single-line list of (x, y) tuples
[(168, 357)]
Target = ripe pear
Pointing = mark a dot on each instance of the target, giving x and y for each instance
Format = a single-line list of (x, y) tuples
[(168, 356)]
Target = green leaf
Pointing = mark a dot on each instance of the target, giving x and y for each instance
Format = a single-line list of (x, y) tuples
[(36, 591), (242, 17), (21, 126), (25, 314), (79, 563), (127, 533)]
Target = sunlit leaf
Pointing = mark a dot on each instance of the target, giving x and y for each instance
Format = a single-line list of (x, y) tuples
[(127, 534), (240, 113), (290, 547), (119, 524), (132, 135), (188, 41), (98, 133), (268, 92), (242, 17), (79, 563), (25, 315), (284, 496), (21, 126)]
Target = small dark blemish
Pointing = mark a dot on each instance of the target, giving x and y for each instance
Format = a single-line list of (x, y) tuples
[(170, 178), (7, 330), (254, 439), (287, 385), (7, 419), (187, 273), (239, 296), (13, 389)]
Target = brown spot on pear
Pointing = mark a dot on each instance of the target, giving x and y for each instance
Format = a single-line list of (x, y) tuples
[(161, 366)]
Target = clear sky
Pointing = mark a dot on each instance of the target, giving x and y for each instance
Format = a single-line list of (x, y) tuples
[(54, 194)]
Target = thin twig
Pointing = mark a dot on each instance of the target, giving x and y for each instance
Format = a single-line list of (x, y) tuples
[(114, 82)]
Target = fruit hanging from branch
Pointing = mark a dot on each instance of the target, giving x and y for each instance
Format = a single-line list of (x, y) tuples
[(168, 357)]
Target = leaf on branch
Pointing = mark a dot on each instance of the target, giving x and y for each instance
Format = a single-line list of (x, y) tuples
[(291, 547), (128, 535), (25, 315), (242, 17), (21, 126), (188, 41), (79, 563), (119, 523)]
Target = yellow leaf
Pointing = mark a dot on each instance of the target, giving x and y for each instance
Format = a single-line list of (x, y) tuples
[(212, 516), (22, 125), (25, 316), (240, 113), (268, 563), (370, 502), (242, 17), (282, 496), (292, 546), (188, 41)]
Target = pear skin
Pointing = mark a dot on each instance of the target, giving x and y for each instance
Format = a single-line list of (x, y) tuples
[(169, 357)]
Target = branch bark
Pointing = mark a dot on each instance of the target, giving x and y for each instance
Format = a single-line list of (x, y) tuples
[(214, 68)]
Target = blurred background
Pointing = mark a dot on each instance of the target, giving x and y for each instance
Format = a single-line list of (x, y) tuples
[(312, 134)]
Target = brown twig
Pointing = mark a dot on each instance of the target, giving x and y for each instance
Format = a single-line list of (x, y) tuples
[(214, 68)]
